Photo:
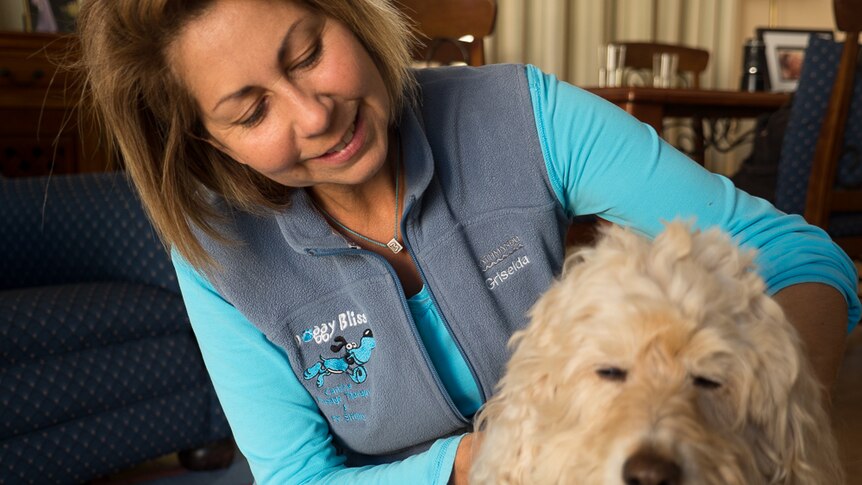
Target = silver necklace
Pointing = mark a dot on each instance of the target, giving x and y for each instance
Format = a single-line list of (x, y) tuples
[(393, 244)]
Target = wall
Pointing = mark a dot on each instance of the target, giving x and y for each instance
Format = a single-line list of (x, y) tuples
[(791, 14)]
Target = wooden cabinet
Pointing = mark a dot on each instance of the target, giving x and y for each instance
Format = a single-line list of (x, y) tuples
[(40, 131)]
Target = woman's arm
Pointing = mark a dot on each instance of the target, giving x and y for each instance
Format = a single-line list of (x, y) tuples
[(818, 312), (275, 422), (463, 460)]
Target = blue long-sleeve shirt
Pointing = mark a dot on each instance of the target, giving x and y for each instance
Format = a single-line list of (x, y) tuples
[(600, 161)]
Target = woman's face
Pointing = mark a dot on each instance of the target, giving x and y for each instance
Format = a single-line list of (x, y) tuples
[(286, 91)]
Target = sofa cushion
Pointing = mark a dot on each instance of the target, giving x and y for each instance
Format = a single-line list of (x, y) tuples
[(39, 322), (80, 450), (81, 350)]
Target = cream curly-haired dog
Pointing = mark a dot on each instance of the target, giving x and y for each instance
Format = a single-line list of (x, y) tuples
[(657, 363)]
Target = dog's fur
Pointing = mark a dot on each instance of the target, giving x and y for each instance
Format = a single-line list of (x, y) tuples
[(622, 358)]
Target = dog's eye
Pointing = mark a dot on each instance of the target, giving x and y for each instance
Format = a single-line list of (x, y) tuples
[(612, 374), (705, 383)]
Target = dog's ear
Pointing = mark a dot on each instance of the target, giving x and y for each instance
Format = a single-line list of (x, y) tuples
[(511, 422), (506, 420), (711, 249), (786, 416)]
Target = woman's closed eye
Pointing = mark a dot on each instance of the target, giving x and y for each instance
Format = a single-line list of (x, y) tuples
[(257, 114), (312, 58), (262, 106)]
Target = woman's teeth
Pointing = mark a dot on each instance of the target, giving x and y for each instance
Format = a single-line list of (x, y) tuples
[(344, 141)]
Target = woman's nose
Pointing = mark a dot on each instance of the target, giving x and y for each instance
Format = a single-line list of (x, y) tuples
[(310, 111)]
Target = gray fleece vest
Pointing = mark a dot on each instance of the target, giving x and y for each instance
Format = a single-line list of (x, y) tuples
[(485, 230)]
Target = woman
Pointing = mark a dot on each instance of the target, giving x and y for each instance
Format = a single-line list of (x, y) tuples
[(356, 245)]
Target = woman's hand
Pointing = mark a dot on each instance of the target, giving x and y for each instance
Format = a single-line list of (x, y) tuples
[(464, 459)]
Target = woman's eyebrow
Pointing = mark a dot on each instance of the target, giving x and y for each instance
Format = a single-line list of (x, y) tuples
[(285, 41), (280, 58)]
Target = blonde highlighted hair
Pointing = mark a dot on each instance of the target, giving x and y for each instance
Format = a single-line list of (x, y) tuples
[(152, 121)]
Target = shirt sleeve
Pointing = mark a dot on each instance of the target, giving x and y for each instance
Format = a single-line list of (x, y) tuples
[(275, 422), (602, 161)]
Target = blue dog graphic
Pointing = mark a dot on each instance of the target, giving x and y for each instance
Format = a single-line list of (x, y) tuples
[(352, 362)]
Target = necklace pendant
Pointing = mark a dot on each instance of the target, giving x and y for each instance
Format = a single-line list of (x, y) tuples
[(394, 246)]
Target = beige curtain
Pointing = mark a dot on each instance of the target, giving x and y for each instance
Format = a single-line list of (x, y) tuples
[(562, 37)]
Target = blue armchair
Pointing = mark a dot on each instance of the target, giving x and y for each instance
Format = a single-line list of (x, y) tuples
[(99, 369)]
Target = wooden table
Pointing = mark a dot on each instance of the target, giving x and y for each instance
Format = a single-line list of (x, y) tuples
[(653, 105)]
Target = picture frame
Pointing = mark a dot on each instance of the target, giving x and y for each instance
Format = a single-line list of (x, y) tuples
[(784, 50), (52, 15)]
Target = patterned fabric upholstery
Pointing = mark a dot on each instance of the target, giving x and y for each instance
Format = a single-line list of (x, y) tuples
[(77, 228), (797, 151), (99, 369)]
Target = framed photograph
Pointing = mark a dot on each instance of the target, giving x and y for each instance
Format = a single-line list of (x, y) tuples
[(52, 15), (785, 52)]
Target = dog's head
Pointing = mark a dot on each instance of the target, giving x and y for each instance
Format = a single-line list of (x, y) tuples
[(657, 362)]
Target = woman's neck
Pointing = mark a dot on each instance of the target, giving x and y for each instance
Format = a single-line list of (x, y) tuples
[(369, 207), (350, 201)]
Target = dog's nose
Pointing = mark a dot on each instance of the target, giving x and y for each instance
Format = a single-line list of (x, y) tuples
[(648, 468)]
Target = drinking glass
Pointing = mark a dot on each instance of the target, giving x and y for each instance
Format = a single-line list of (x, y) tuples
[(664, 69), (612, 59)]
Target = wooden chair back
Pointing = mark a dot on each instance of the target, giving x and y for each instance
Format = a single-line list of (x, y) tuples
[(441, 23), (823, 198), (692, 60)]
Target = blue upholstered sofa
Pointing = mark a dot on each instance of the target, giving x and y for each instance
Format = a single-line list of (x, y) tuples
[(99, 369)]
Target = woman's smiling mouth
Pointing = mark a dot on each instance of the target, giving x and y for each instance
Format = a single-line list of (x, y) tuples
[(352, 141), (344, 141)]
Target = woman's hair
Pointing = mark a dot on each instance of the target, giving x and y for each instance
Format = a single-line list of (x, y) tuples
[(152, 121)]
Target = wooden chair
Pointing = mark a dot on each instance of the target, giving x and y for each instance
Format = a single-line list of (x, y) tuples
[(441, 23), (823, 198), (692, 63)]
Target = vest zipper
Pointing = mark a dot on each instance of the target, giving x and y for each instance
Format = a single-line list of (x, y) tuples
[(352, 248), (434, 301)]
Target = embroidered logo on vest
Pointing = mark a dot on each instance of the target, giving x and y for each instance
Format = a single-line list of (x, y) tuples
[(501, 253), (498, 257), (498, 279), (344, 402), (351, 363), (323, 332)]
